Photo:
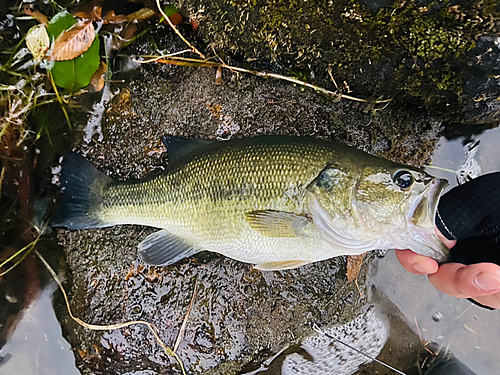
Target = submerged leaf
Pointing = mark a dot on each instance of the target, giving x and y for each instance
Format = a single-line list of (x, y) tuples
[(73, 42), (37, 41)]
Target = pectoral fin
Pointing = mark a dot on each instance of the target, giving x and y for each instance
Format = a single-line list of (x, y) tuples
[(277, 223), (162, 249), (276, 266)]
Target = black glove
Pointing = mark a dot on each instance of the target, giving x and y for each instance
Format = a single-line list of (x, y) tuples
[(470, 213)]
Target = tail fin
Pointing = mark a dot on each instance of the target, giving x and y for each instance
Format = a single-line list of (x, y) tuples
[(82, 186)]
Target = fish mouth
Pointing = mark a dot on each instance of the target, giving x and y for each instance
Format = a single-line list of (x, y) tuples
[(424, 213), (422, 220)]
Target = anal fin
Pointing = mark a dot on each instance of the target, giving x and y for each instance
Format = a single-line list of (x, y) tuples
[(284, 265), (162, 249)]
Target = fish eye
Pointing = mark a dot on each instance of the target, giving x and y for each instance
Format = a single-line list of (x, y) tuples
[(403, 179)]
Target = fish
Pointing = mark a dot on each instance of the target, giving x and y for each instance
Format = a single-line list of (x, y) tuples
[(277, 202)]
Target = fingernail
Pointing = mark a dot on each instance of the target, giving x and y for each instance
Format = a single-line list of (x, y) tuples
[(422, 267), (487, 282)]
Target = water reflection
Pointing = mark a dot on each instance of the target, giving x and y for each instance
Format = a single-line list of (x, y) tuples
[(37, 346), (450, 154)]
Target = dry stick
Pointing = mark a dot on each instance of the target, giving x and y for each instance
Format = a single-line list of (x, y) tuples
[(193, 48), (95, 327), (184, 322), (156, 58), (299, 82)]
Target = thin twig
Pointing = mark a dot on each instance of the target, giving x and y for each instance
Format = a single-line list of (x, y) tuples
[(193, 48), (96, 327), (184, 322), (357, 286), (441, 169), (156, 58), (2, 176), (19, 252), (59, 98)]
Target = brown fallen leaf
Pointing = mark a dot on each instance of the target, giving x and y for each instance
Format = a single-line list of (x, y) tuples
[(176, 19), (97, 81), (73, 42), (354, 263), (112, 17), (218, 76), (142, 14), (194, 24), (29, 11)]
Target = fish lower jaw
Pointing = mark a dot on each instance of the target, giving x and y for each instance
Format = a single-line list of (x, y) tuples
[(422, 241)]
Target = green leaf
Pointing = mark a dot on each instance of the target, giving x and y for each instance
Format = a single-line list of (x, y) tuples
[(75, 74), (60, 22), (169, 10)]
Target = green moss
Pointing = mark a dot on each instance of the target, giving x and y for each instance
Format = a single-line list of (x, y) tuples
[(345, 35), (437, 38)]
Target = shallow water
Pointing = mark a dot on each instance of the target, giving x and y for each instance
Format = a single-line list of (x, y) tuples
[(36, 345)]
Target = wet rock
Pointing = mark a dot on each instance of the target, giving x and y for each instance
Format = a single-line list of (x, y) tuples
[(238, 313)]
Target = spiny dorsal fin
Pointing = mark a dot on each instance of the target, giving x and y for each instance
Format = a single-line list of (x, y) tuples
[(178, 147), (162, 249), (276, 266), (272, 223)]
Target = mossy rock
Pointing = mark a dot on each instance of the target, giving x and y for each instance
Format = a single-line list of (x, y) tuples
[(419, 52)]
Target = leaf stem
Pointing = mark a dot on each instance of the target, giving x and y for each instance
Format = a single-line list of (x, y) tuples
[(59, 99)]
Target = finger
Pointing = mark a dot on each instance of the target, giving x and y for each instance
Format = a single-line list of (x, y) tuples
[(471, 281), (491, 301), (448, 243), (415, 263)]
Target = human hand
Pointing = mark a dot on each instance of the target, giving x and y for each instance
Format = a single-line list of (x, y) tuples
[(471, 214), (480, 281)]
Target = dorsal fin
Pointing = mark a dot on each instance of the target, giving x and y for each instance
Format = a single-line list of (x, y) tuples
[(177, 147)]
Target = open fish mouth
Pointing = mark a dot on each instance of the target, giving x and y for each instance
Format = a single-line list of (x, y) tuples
[(424, 214), (421, 222)]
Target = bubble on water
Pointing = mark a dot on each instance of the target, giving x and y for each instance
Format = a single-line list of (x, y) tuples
[(437, 317)]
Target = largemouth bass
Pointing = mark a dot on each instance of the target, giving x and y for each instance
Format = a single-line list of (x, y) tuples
[(275, 201)]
